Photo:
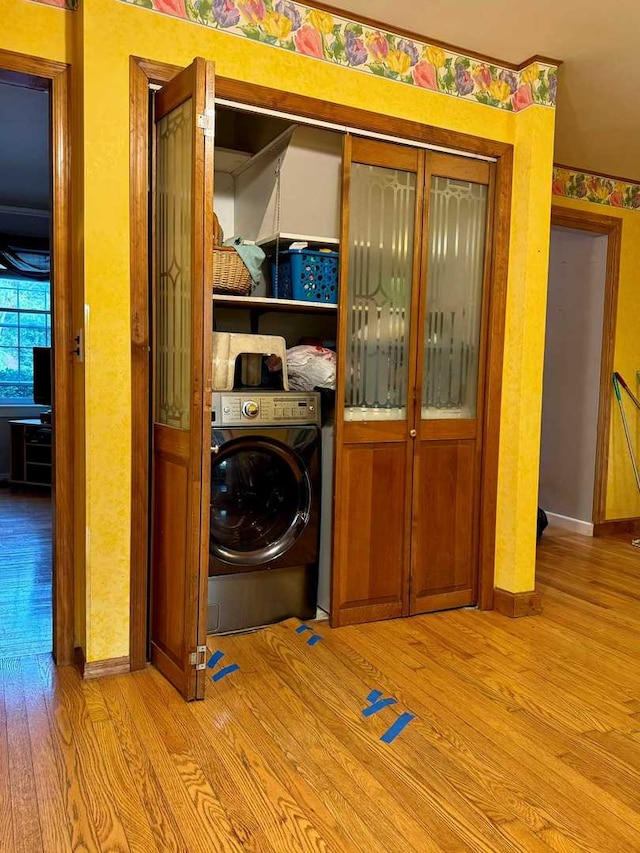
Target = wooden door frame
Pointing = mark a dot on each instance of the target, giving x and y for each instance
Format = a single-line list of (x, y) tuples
[(611, 226), (142, 73), (58, 75)]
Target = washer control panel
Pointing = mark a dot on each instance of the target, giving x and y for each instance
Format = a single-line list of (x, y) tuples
[(241, 408)]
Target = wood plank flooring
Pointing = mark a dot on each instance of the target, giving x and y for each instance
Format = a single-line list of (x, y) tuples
[(25, 572), (526, 735)]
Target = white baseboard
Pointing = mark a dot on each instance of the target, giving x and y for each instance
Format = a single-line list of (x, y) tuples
[(585, 528)]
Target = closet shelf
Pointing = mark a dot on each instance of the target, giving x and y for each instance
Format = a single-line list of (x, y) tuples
[(268, 303), (287, 239)]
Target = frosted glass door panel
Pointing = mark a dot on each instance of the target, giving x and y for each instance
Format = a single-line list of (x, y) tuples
[(381, 227), (457, 227), (173, 299)]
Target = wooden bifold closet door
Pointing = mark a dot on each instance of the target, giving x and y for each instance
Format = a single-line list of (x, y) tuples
[(454, 303), (181, 360), (413, 315)]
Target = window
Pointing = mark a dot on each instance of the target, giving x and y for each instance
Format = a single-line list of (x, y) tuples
[(25, 322)]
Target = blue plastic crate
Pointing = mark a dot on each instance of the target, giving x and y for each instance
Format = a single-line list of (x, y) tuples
[(306, 275)]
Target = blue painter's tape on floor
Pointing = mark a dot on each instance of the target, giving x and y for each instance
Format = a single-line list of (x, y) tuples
[(400, 724), (224, 672), (374, 696), (378, 706), (302, 628), (313, 640), (215, 658)]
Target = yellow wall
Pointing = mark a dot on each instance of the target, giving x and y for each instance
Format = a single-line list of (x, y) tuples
[(36, 30), (623, 500), (110, 33), (524, 353)]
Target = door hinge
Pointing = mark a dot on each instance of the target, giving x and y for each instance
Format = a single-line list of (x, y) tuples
[(207, 121), (199, 658)]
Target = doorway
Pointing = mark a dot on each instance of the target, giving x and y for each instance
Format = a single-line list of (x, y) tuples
[(25, 376), (576, 400), (36, 430)]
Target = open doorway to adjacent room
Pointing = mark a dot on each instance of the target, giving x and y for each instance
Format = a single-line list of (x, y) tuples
[(36, 359), (576, 398), (25, 367)]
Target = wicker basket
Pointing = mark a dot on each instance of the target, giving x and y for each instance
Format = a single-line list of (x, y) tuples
[(218, 236), (230, 275)]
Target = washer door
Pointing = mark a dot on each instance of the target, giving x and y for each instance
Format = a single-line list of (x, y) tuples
[(260, 501)]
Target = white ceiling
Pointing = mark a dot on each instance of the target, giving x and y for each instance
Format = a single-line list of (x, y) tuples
[(598, 114)]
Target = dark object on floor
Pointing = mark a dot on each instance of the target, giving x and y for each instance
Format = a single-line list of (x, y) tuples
[(543, 522)]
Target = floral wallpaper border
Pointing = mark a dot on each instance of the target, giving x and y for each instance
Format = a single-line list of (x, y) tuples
[(599, 189), (69, 5), (302, 29)]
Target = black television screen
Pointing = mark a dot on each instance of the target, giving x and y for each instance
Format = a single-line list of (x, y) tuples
[(42, 376)]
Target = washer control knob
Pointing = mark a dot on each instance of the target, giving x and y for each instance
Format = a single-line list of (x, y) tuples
[(250, 409)]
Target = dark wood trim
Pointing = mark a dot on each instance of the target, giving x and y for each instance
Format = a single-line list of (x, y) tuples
[(301, 105), (615, 526), (486, 562), (605, 401), (392, 29), (596, 173), (100, 668), (204, 242), (585, 220), (254, 95), (140, 372), (538, 57), (78, 659), (501, 229), (343, 303), (22, 63), (517, 604), (63, 437), (611, 226), (57, 76), (157, 73)]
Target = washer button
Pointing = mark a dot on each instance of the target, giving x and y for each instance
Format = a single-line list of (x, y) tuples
[(250, 409)]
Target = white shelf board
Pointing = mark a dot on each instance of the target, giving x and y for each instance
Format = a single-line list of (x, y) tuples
[(269, 303), (294, 238)]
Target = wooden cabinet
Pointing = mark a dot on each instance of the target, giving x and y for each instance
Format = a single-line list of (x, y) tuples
[(31, 452)]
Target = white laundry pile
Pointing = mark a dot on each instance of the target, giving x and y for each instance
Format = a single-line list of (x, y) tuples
[(308, 367)]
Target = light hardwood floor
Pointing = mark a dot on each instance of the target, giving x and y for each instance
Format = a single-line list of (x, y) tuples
[(25, 571), (526, 735)]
